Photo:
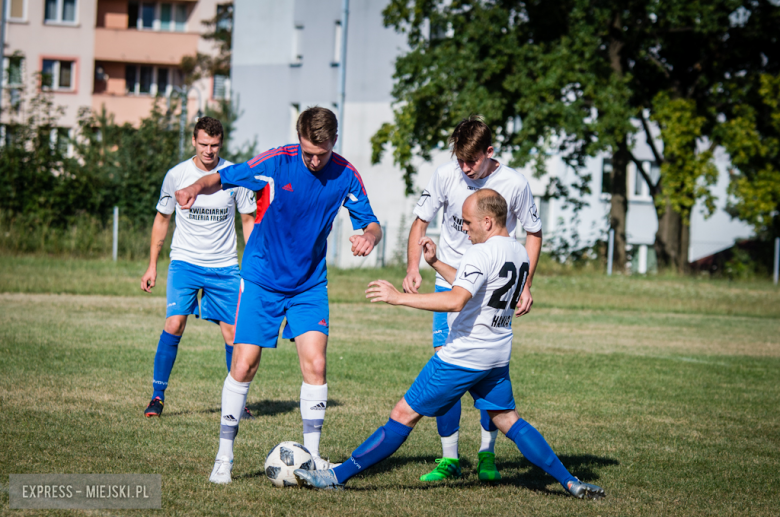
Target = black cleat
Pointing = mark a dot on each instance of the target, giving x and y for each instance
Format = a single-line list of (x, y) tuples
[(582, 490), (246, 415), (154, 408)]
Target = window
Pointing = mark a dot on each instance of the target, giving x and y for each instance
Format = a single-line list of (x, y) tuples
[(181, 18), (641, 188), (337, 45), (225, 17), (17, 10), (13, 66), (57, 75), (606, 176), (146, 20), (165, 17), (60, 11), (147, 80), (297, 54), (157, 16), (221, 87), (60, 140)]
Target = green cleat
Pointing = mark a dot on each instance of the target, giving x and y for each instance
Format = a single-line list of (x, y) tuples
[(487, 467), (447, 468)]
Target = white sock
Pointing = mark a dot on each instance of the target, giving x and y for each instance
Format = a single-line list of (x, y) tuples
[(488, 441), (314, 401), (449, 446), (233, 402)]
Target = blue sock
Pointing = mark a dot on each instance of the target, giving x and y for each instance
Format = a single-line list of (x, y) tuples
[(228, 355), (449, 423), (486, 422), (534, 447), (380, 445), (163, 363)]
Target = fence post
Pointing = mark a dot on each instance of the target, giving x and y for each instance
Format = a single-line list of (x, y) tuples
[(777, 258), (115, 246), (610, 251), (382, 257)]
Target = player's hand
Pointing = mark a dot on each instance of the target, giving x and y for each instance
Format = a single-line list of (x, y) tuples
[(362, 244), (186, 196), (526, 300), (412, 282), (149, 279), (382, 291), (429, 250)]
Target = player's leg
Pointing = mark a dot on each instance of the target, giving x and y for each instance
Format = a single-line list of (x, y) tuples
[(218, 305), (494, 395), (448, 424), (259, 315), (182, 300), (437, 387), (228, 333), (312, 347), (307, 321), (486, 468)]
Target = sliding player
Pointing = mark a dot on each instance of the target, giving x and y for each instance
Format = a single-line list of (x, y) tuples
[(203, 255), (486, 287), (451, 184), (300, 189)]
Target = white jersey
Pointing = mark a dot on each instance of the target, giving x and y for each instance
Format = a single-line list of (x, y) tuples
[(495, 273), (449, 187), (205, 234)]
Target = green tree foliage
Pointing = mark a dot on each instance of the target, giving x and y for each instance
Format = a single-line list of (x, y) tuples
[(583, 77)]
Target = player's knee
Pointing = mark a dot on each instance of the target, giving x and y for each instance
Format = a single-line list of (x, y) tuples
[(175, 325)]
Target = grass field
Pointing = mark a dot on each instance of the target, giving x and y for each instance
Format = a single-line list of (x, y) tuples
[(665, 391)]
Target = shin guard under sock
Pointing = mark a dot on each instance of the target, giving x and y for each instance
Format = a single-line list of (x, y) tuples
[(535, 448), (380, 445)]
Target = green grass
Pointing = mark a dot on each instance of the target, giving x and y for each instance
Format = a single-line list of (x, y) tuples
[(665, 391)]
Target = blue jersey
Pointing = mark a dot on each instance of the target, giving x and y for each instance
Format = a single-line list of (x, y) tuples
[(295, 213)]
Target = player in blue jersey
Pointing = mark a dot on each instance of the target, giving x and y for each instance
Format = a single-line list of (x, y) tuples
[(485, 289), (203, 255), (300, 189)]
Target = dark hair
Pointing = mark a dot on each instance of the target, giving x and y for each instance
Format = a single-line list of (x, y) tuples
[(210, 125), (470, 138), (493, 204), (317, 125)]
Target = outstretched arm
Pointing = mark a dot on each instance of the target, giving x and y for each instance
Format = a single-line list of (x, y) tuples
[(363, 244), (448, 301), (447, 272), (209, 184)]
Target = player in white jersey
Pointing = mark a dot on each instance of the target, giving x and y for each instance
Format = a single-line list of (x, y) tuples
[(203, 254), (476, 358), (474, 169)]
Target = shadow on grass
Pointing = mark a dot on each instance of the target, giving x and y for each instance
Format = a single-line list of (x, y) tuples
[(260, 408), (530, 477)]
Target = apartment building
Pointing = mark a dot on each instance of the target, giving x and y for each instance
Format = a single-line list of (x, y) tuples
[(112, 54)]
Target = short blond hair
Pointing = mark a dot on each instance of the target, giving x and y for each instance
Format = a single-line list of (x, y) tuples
[(317, 125)]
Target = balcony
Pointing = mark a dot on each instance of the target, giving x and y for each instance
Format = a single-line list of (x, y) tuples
[(138, 46), (132, 108)]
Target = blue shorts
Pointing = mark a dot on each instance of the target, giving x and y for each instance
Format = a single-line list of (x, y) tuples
[(219, 286), (440, 385), (441, 330), (260, 313)]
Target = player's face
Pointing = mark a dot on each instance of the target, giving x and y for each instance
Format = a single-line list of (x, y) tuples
[(316, 156), (472, 222), (207, 149), (479, 167)]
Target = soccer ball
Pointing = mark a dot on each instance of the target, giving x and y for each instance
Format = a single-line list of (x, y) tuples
[(283, 460)]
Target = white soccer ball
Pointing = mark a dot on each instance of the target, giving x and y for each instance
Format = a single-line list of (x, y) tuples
[(283, 460)]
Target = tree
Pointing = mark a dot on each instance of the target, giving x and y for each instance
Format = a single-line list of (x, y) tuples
[(584, 77)]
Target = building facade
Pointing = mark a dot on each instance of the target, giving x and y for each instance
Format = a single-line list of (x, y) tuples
[(286, 58), (113, 54)]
